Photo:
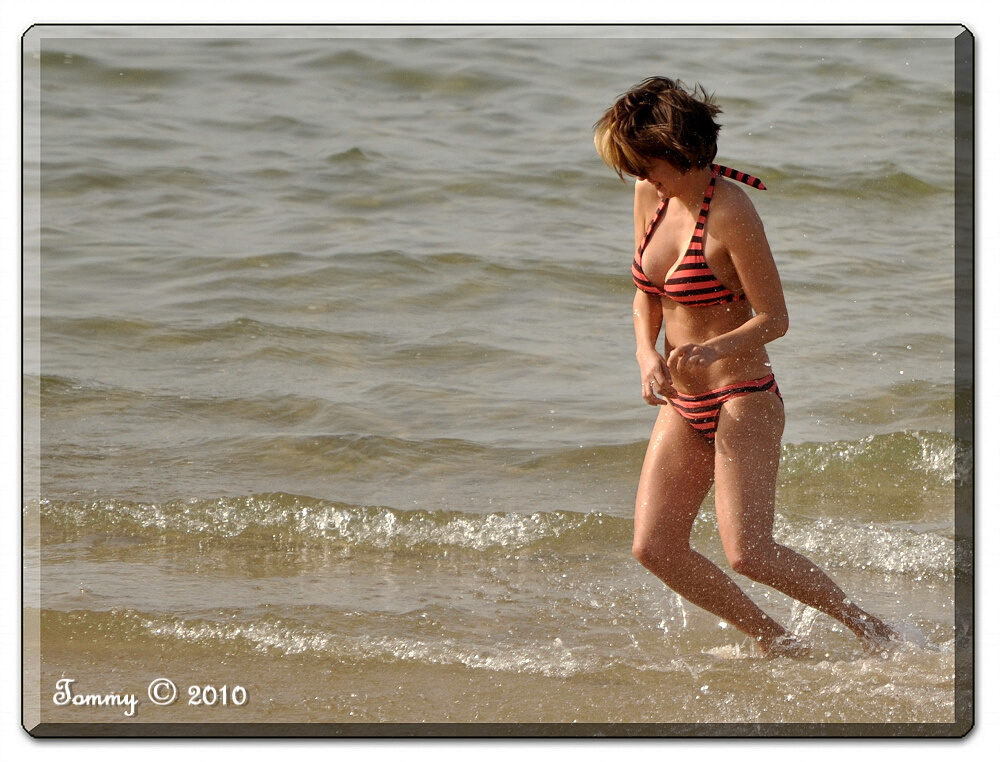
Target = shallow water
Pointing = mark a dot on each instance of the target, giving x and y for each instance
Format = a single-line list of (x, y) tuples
[(336, 394)]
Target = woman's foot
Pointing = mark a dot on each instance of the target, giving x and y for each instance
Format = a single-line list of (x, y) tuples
[(875, 635), (784, 645)]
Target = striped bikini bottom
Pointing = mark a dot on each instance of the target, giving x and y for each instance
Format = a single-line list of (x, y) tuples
[(702, 410)]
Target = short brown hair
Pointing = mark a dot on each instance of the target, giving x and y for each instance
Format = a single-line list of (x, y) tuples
[(658, 119)]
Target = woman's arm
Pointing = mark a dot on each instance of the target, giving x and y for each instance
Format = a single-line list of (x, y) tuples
[(647, 312), (647, 315)]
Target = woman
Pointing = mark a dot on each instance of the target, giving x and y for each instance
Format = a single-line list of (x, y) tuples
[(717, 295)]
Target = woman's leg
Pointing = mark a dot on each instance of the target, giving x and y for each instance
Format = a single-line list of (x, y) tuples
[(676, 475), (747, 451)]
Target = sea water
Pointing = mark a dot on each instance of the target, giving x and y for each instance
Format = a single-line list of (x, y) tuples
[(330, 390)]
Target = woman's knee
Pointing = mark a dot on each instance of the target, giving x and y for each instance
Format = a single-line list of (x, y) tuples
[(661, 558), (642, 551), (745, 564), (753, 563)]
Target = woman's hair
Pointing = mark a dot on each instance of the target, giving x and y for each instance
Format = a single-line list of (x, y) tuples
[(658, 119)]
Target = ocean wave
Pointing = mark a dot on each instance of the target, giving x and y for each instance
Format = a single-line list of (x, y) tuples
[(901, 454), (383, 75), (880, 547), (551, 658), (287, 636), (160, 335), (62, 180), (903, 476), (281, 520), (294, 518), (91, 71)]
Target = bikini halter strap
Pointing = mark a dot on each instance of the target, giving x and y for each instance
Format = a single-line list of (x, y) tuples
[(743, 177)]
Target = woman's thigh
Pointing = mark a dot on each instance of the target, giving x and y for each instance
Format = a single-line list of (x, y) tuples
[(676, 476), (747, 454)]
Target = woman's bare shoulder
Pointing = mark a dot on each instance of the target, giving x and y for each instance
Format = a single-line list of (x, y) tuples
[(732, 204), (735, 222), (731, 193)]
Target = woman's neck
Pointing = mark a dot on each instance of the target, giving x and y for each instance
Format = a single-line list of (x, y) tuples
[(692, 192)]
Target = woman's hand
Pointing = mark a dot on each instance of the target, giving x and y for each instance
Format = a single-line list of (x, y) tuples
[(687, 357), (656, 383)]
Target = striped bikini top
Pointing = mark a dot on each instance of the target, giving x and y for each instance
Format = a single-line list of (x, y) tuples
[(691, 281)]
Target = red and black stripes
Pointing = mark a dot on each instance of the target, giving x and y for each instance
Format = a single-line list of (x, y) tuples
[(702, 410), (691, 281), (743, 177)]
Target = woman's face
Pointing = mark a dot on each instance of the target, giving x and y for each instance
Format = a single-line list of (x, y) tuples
[(663, 176)]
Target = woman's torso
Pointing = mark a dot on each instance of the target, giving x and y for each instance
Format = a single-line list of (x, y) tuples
[(665, 248)]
